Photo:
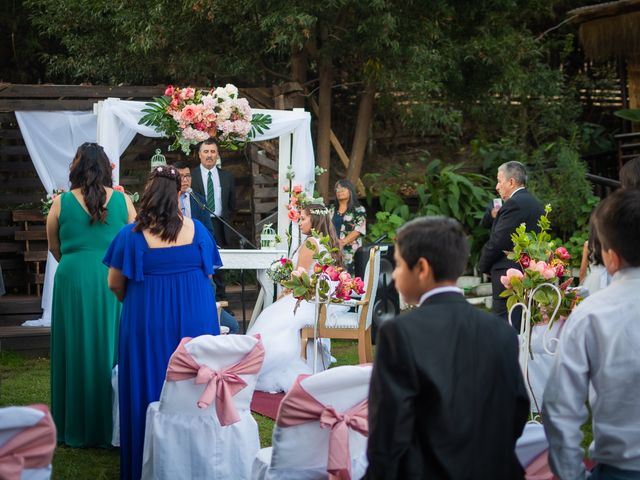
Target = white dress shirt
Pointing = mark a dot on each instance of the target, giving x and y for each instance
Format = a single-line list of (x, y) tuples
[(438, 290), (185, 204), (217, 192), (598, 359)]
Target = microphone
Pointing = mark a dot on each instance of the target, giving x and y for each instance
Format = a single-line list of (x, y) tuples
[(196, 199)]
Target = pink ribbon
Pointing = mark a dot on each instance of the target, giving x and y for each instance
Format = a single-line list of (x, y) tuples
[(299, 407), (31, 448), (222, 384)]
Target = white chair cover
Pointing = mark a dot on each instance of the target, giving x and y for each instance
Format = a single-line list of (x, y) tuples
[(300, 452), (185, 441), (27, 442)]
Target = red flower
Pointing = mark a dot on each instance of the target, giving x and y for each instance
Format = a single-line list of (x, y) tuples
[(559, 270), (119, 188), (333, 274), (317, 268), (525, 260), (358, 285), (169, 90), (562, 253)]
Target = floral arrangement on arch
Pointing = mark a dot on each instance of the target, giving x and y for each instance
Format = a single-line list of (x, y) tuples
[(191, 115), (542, 262), (331, 283)]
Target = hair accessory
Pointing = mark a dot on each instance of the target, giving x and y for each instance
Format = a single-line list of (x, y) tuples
[(166, 172), (319, 211)]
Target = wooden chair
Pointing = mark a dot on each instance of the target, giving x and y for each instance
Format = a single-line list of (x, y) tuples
[(351, 325), (34, 237)]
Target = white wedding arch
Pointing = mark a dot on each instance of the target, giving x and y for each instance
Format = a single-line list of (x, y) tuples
[(52, 139)]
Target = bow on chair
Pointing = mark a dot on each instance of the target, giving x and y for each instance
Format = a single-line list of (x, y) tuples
[(30, 448), (339, 461), (222, 384), (300, 407)]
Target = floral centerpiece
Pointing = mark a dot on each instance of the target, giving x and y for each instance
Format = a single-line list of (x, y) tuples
[(327, 283), (190, 116), (543, 264)]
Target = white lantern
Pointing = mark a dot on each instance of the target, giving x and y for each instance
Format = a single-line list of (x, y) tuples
[(268, 237)]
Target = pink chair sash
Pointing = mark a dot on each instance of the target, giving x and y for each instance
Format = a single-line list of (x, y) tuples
[(299, 407), (221, 384), (539, 468), (31, 448)]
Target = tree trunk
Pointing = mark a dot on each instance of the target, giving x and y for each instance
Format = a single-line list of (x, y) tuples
[(299, 67), (324, 125), (361, 134)]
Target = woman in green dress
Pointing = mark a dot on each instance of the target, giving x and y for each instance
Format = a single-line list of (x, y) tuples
[(85, 314)]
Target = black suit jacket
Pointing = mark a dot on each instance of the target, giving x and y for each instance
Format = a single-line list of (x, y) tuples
[(447, 397), (522, 207), (228, 194)]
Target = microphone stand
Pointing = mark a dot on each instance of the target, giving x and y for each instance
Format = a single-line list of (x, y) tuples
[(244, 241)]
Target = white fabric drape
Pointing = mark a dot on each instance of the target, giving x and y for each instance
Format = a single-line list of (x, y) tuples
[(52, 139)]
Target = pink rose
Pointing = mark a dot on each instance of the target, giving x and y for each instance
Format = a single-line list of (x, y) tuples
[(285, 188), (293, 215), (113, 166), (119, 188), (358, 285), (525, 260), (169, 91), (332, 273), (562, 253), (297, 189), (559, 270), (283, 261), (294, 201), (189, 113), (511, 273), (200, 126), (174, 104)]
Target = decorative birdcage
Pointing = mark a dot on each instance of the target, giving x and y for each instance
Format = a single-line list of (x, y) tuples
[(158, 159), (268, 237)]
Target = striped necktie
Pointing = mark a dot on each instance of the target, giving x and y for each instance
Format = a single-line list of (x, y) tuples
[(211, 198)]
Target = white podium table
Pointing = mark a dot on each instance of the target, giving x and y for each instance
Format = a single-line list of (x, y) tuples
[(258, 260)]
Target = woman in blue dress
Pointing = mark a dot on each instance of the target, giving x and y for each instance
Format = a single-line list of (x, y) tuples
[(160, 268)]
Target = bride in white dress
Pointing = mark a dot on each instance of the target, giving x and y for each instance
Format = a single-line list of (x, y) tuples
[(280, 328)]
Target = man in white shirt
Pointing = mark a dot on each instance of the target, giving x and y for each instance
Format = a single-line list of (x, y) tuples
[(598, 359), (217, 187)]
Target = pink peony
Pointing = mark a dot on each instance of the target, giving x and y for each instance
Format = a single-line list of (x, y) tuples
[(169, 91), (332, 273), (345, 277), (187, 93), (297, 189), (511, 273), (562, 253), (119, 188)]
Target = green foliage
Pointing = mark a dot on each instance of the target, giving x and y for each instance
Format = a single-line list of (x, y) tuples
[(557, 176), (631, 114), (441, 189)]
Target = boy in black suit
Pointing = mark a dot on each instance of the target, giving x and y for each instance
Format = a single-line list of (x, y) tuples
[(447, 398)]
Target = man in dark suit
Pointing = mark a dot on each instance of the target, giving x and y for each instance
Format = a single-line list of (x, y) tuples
[(217, 187), (192, 209), (447, 397), (519, 206)]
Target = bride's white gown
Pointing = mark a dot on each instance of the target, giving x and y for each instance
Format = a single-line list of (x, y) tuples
[(280, 329)]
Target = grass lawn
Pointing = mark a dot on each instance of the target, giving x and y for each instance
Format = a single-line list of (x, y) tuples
[(24, 381)]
